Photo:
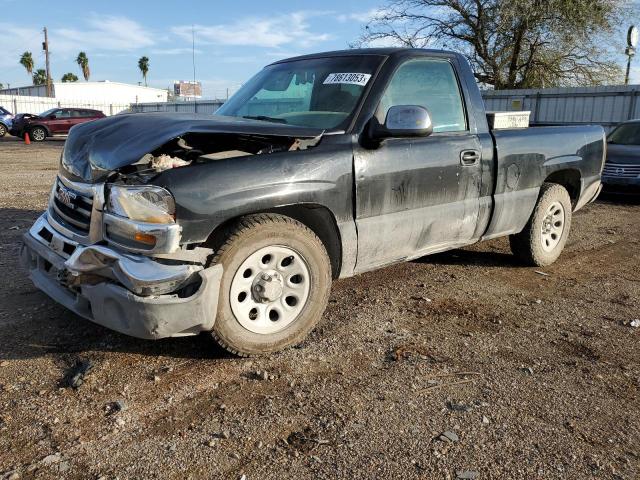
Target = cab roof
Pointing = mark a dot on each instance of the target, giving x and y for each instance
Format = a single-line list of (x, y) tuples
[(386, 52)]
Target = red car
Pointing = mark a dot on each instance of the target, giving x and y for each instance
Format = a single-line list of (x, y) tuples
[(57, 121)]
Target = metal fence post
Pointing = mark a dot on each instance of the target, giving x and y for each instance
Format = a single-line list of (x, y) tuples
[(632, 104)]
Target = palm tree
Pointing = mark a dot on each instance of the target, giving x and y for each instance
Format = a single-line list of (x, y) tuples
[(69, 77), (143, 65), (40, 77), (26, 60), (83, 63)]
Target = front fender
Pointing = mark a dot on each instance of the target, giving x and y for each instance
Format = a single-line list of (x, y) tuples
[(211, 193)]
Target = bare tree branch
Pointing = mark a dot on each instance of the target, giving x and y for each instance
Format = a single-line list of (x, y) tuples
[(512, 43)]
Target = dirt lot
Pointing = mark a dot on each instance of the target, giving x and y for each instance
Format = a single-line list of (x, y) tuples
[(528, 375)]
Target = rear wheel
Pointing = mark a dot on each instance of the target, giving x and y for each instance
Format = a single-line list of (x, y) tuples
[(546, 233), (3, 130), (275, 285), (37, 134)]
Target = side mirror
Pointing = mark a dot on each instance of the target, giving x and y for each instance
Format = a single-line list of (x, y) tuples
[(405, 121)]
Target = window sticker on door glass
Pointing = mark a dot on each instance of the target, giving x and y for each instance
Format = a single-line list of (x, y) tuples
[(349, 78)]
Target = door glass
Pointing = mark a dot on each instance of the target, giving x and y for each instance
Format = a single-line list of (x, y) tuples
[(63, 114), (429, 83)]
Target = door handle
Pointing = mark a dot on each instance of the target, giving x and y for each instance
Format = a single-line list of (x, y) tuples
[(469, 157)]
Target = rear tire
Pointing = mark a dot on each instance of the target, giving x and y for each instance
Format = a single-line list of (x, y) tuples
[(275, 285), (546, 232), (37, 134)]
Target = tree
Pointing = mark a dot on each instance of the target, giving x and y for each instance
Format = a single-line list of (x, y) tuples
[(512, 43), (69, 77), (143, 65), (26, 60), (83, 62), (40, 77)]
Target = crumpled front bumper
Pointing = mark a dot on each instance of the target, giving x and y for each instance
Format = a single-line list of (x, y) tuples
[(132, 294)]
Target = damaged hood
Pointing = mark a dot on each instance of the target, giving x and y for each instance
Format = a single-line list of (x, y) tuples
[(94, 149)]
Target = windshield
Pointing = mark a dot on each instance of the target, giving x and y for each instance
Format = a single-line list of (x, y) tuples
[(48, 112), (626, 134), (320, 92)]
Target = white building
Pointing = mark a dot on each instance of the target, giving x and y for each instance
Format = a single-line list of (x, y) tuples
[(94, 92), (109, 97)]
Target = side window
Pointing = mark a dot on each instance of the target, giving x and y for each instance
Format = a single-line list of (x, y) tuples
[(63, 113), (429, 83)]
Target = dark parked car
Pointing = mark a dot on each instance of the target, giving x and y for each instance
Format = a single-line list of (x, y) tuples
[(6, 118), (56, 121), (319, 167), (621, 172)]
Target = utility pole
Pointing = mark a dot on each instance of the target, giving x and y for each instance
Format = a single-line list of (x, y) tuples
[(632, 42), (45, 47)]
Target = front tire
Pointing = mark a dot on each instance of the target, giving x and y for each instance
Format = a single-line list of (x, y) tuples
[(275, 285), (3, 130), (37, 134), (546, 232)]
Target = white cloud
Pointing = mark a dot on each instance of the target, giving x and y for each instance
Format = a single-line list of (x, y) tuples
[(268, 32), (103, 32), (22, 39), (384, 43), (174, 51), (362, 17)]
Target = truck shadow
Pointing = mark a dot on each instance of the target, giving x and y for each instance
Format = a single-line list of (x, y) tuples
[(619, 199), (472, 258)]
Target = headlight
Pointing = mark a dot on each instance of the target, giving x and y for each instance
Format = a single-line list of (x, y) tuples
[(141, 219), (146, 204)]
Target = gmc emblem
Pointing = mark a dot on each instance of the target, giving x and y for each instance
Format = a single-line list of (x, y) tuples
[(66, 196)]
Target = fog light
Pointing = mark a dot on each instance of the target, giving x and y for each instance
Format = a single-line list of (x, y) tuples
[(145, 238)]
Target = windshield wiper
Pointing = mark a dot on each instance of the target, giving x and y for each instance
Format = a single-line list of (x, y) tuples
[(265, 118)]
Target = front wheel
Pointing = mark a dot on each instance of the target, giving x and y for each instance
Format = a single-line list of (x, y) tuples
[(37, 134), (275, 285), (544, 236), (3, 130)]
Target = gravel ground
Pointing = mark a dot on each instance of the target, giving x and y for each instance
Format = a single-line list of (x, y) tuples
[(458, 365)]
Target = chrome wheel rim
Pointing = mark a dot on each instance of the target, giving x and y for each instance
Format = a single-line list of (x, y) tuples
[(270, 289), (38, 134), (552, 226)]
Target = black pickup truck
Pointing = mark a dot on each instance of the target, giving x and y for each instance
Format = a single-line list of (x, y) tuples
[(321, 166)]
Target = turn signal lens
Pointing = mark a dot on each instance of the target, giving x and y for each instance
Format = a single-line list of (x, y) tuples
[(145, 238)]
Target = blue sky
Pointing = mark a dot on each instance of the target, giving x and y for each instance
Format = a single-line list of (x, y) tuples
[(233, 39)]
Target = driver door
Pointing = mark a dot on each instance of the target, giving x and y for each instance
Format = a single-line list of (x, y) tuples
[(418, 195), (57, 121)]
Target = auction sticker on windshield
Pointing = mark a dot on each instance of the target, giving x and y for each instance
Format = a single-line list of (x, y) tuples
[(350, 78)]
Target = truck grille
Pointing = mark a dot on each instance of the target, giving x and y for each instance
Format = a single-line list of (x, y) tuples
[(621, 170), (72, 208)]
